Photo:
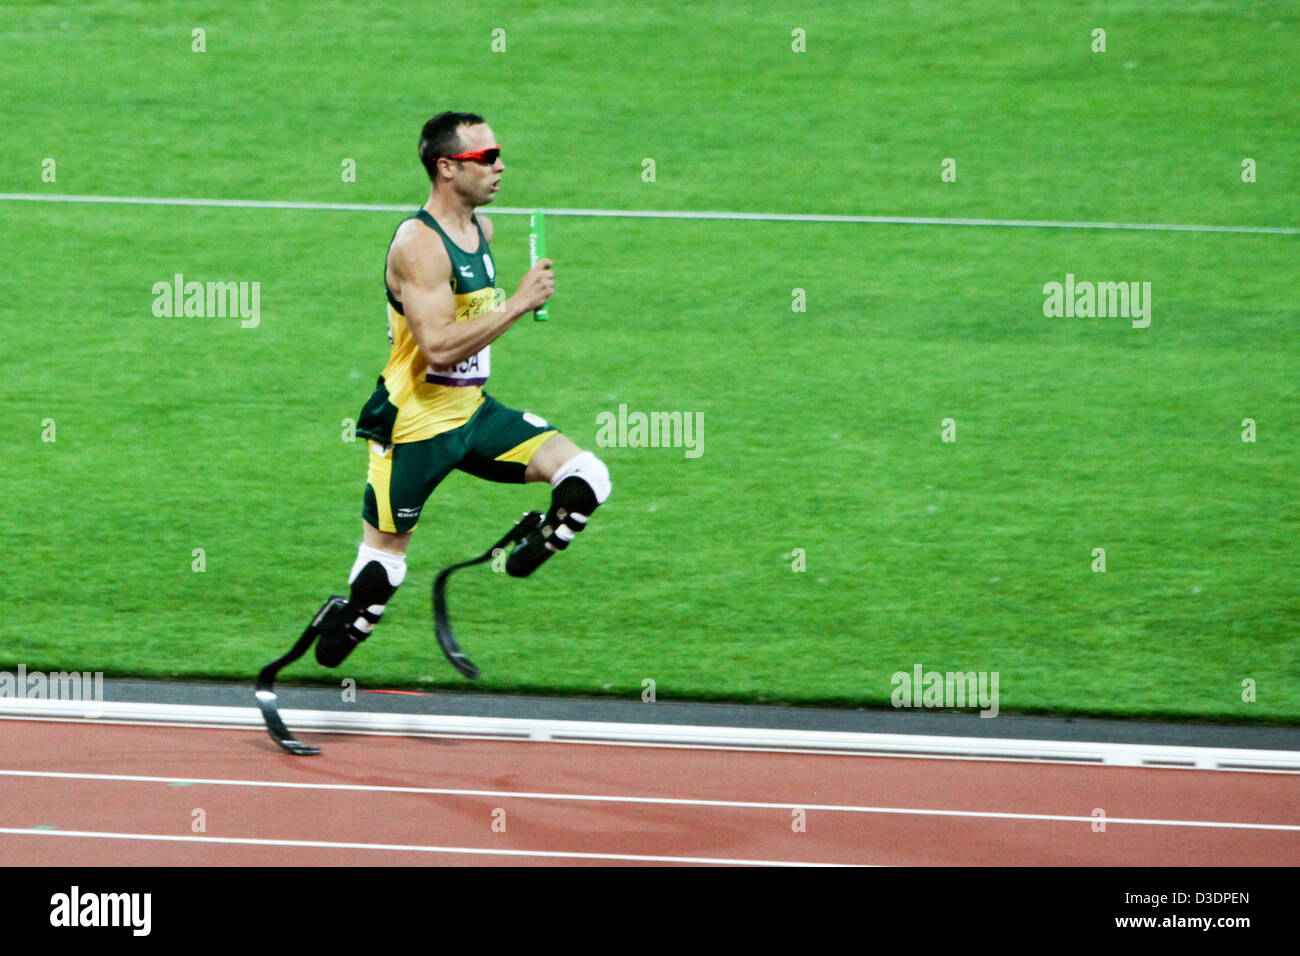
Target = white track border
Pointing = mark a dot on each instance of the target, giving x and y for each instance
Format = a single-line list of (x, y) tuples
[(583, 731), (657, 214)]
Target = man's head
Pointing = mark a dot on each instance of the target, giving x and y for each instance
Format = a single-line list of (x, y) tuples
[(450, 135)]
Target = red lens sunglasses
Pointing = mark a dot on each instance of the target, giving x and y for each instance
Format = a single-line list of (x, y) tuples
[(486, 156)]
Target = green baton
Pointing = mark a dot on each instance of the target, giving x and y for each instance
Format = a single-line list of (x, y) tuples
[(536, 251)]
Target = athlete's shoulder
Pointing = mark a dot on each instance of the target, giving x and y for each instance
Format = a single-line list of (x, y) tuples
[(486, 225), (417, 250)]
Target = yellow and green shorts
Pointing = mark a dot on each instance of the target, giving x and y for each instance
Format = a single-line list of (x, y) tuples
[(497, 443)]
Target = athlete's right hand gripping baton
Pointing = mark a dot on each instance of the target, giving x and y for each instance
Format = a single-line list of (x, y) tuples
[(536, 251)]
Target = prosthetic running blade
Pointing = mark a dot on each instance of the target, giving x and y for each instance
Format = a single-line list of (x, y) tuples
[(265, 691), (442, 620)]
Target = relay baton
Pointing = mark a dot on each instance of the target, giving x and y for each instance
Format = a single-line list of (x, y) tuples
[(537, 250)]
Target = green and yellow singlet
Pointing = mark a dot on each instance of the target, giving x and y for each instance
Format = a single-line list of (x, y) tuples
[(412, 401)]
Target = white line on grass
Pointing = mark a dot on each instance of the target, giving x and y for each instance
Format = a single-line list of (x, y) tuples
[(659, 214), (667, 801), (405, 848)]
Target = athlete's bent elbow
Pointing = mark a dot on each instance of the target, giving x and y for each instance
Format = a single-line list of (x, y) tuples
[(440, 358)]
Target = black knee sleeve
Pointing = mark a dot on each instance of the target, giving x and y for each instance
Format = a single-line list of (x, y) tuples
[(370, 589), (572, 503), (574, 496)]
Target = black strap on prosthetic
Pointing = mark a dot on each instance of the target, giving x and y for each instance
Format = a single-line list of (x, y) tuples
[(571, 496), (370, 587), (442, 620), (341, 633)]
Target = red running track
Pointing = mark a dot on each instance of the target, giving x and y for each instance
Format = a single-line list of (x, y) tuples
[(384, 800)]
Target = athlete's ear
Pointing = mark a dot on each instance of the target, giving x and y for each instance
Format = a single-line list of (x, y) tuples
[(447, 168)]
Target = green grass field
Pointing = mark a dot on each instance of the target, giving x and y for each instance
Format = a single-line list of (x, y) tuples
[(822, 428)]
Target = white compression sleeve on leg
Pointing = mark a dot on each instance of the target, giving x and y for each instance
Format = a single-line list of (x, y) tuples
[(590, 469), (394, 564)]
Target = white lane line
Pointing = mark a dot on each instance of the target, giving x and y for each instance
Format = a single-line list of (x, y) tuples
[(651, 745), (659, 214), (536, 729), (665, 801), (408, 848)]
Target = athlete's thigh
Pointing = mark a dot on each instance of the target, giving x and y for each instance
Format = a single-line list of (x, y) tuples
[(502, 441), (401, 477), (553, 453)]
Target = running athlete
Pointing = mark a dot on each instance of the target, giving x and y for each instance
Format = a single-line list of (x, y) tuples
[(429, 413)]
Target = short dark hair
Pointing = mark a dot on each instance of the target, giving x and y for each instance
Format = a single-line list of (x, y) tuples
[(440, 138)]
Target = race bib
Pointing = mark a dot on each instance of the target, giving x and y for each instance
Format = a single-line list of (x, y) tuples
[(475, 369)]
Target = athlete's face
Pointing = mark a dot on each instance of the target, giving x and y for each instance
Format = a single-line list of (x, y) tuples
[(477, 181)]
